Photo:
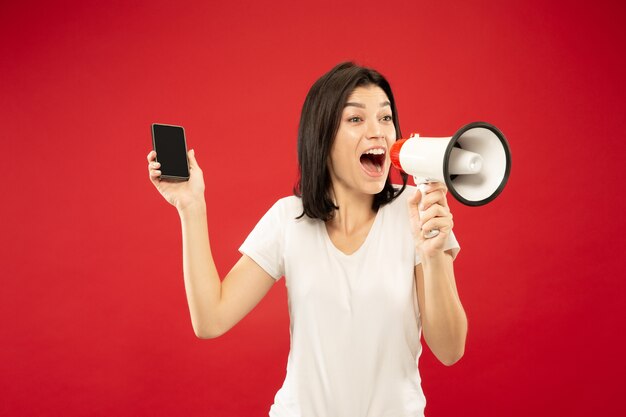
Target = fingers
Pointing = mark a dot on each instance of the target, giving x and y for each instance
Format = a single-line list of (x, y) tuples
[(442, 224), (433, 213), (436, 217), (435, 194), (153, 167), (153, 170)]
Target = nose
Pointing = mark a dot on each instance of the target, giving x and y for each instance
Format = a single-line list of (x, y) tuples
[(374, 129)]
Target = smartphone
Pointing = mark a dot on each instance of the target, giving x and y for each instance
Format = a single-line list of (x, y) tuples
[(171, 147)]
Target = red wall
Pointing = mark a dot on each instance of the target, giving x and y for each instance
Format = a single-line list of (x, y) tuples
[(93, 313)]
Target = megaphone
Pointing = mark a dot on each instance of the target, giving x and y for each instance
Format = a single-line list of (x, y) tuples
[(474, 164)]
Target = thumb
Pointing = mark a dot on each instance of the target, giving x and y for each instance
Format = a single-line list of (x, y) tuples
[(416, 198), (414, 202), (192, 159)]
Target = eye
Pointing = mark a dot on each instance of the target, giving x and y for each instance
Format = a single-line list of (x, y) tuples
[(387, 118), (354, 119)]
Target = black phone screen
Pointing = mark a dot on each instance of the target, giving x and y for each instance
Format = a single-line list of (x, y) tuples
[(169, 143)]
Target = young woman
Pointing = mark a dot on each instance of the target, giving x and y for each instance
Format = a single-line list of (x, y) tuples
[(362, 280)]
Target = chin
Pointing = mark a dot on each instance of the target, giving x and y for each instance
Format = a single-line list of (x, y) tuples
[(375, 187)]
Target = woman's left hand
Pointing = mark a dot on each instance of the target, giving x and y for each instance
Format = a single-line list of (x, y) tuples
[(430, 212)]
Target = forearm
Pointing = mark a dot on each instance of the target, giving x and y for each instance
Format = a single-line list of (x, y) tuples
[(202, 282), (443, 319)]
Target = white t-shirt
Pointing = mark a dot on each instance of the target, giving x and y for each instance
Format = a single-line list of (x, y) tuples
[(355, 327)]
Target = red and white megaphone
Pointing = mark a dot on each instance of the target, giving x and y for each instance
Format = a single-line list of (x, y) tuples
[(474, 164)]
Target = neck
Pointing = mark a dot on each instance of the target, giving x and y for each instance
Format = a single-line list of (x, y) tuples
[(354, 210)]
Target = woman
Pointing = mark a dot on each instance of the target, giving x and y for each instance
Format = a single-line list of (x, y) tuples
[(362, 280)]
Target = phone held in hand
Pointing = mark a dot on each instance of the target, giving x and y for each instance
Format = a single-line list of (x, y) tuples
[(171, 147)]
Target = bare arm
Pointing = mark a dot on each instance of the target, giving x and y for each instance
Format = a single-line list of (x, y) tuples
[(214, 306), (443, 319), (444, 322)]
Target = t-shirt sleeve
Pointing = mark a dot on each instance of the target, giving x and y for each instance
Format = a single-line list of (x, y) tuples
[(264, 245), (451, 245)]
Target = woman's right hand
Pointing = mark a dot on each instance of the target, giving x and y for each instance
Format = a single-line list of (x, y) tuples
[(182, 194)]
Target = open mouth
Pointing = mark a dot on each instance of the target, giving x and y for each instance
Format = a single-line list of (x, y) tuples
[(373, 160)]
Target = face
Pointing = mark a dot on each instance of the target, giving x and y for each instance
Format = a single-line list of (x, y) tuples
[(359, 158)]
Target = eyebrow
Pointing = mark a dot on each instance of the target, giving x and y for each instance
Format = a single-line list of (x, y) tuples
[(362, 106)]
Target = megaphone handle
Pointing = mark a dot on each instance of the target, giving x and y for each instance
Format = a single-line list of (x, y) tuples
[(434, 232)]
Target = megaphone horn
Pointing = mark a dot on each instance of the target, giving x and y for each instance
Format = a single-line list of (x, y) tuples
[(474, 164)]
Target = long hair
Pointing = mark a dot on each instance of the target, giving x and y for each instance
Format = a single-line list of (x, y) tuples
[(319, 123)]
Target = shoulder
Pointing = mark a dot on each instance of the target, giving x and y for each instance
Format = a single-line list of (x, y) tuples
[(289, 205), (286, 208)]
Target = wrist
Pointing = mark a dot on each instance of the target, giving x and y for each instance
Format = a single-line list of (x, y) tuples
[(432, 256), (192, 207)]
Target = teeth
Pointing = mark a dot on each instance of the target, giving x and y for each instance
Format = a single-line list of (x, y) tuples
[(375, 151)]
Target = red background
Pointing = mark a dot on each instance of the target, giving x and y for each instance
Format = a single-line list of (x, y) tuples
[(92, 307)]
